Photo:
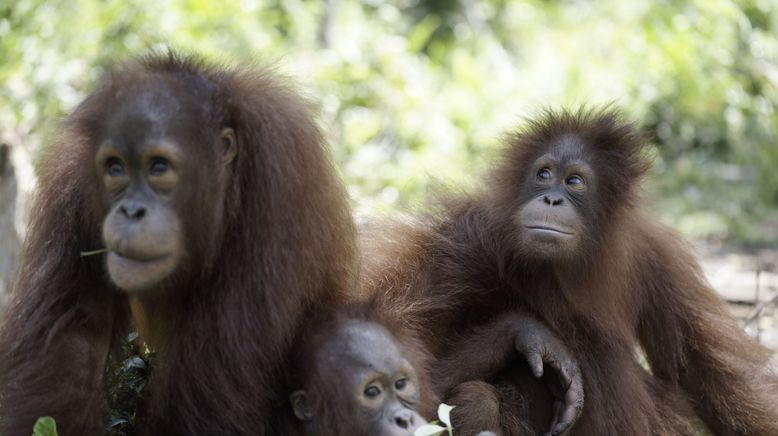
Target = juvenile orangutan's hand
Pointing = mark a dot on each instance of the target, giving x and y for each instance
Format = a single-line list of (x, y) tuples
[(541, 347)]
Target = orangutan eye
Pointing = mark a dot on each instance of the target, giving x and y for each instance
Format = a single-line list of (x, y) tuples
[(544, 174), (401, 384), (159, 167), (372, 391), (575, 180), (114, 167)]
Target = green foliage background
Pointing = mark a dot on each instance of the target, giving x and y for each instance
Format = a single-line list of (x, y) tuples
[(409, 89)]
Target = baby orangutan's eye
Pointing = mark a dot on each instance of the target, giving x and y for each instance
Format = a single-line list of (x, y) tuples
[(372, 391)]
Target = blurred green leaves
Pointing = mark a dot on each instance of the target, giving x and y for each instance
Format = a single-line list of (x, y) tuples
[(409, 89)]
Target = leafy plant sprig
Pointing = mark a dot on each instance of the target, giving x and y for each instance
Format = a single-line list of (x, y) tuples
[(126, 380), (434, 428)]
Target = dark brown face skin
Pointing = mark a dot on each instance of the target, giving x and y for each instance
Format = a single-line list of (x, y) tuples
[(377, 390), (151, 170), (556, 202)]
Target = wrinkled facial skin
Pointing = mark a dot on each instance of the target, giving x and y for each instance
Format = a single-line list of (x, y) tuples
[(141, 231), (556, 200), (378, 384), (146, 165)]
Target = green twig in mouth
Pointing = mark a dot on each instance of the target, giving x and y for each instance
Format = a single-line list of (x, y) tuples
[(93, 252)]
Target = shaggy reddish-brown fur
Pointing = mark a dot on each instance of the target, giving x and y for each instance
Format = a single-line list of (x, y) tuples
[(632, 282), (283, 245)]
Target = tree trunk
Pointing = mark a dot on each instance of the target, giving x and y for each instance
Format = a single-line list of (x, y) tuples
[(9, 240)]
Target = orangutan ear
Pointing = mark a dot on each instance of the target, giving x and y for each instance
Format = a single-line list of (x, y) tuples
[(230, 144), (302, 410)]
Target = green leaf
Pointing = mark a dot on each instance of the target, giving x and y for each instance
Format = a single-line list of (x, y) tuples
[(45, 426), (429, 430), (444, 413), (421, 33), (133, 362), (119, 423)]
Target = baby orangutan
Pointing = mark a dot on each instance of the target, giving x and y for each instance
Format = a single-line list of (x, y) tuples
[(354, 377)]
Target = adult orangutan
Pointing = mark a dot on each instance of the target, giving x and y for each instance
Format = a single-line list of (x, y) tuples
[(558, 230), (224, 224)]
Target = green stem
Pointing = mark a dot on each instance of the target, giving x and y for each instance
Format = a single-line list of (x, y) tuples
[(93, 252)]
